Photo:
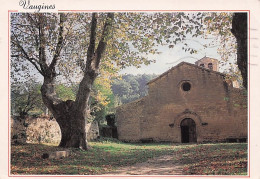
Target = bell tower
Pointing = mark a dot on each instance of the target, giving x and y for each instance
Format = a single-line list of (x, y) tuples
[(209, 63)]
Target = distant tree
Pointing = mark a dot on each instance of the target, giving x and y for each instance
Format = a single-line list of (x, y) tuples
[(143, 80), (131, 79), (121, 88), (131, 87), (25, 97), (66, 92)]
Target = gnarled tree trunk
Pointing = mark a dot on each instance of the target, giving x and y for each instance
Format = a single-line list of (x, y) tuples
[(71, 115), (239, 30), (71, 119)]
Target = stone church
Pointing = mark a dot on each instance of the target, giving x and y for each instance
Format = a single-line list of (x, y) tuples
[(190, 103)]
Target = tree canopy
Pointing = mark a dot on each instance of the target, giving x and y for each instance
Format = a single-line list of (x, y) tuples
[(25, 97), (133, 37), (130, 87)]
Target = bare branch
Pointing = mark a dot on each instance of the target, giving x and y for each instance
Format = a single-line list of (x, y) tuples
[(32, 20), (42, 43), (33, 30), (92, 41), (59, 43), (93, 60), (103, 41), (22, 25), (33, 61), (20, 29)]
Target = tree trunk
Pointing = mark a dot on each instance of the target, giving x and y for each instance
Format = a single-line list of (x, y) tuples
[(71, 115), (70, 118), (72, 124), (239, 30)]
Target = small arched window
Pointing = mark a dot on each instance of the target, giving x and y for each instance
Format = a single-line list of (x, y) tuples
[(202, 65), (210, 66)]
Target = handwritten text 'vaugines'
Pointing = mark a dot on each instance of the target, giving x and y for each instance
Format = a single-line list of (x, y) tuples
[(26, 4)]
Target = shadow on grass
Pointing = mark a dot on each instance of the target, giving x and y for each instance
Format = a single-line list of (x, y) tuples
[(103, 157)]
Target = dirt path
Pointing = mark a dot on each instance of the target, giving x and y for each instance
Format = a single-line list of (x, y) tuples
[(162, 165)]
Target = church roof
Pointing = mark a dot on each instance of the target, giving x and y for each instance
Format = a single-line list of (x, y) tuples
[(180, 64)]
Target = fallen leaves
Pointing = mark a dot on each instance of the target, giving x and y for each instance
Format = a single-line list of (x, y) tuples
[(102, 158), (221, 159)]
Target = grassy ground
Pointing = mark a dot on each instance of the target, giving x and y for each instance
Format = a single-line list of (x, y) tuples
[(106, 156)]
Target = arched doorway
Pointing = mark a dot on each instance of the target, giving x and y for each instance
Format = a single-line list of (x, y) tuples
[(188, 131)]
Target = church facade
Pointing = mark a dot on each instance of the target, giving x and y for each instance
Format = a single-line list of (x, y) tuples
[(190, 103)]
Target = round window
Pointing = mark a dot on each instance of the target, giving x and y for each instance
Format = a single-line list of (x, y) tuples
[(186, 86)]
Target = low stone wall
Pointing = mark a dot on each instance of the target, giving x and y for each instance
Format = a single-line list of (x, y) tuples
[(92, 130), (43, 130)]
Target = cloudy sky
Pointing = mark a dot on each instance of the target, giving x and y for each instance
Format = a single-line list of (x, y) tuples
[(173, 56)]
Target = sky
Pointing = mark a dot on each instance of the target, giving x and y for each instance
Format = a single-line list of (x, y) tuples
[(172, 56)]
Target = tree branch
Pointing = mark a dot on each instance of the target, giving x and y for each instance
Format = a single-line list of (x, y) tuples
[(42, 43), (32, 20), (103, 41), (92, 41), (59, 43), (93, 61), (33, 30), (33, 61)]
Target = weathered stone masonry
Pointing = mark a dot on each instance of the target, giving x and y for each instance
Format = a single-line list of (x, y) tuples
[(188, 103), (43, 130)]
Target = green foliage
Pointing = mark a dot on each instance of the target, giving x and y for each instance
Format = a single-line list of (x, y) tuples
[(106, 156), (101, 101), (25, 98), (131, 87), (121, 88), (66, 92)]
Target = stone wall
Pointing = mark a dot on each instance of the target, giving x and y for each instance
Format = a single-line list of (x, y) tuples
[(128, 120), (92, 130), (43, 130), (214, 105)]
